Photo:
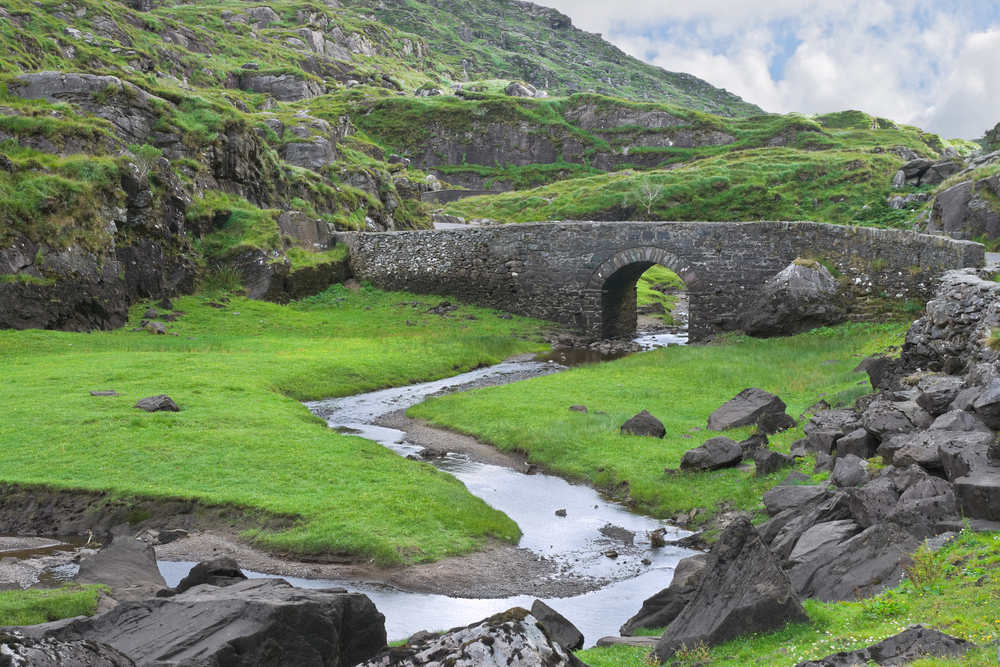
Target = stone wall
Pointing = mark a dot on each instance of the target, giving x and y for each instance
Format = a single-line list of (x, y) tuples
[(582, 274)]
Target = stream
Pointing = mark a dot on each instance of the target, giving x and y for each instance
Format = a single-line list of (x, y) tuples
[(598, 543)]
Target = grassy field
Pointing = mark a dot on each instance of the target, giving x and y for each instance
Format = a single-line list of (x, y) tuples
[(956, 590), (30, 607), (242, 438), (679, 385)]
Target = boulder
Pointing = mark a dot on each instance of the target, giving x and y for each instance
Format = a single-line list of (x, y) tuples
[(887, 450), (644, 424), (820, 537), (858, 442), (834, 508), (161, 403), (938, 392), (869, 561), (775, 422), (873, 502), (923, 505), (780, 498), (959, 420), (661, 609), (220, 572), (915, 168), (963, 453), (911, 644), (987, 405), (766, 461), (127, 565), (750, 446), (828, 426), (883, 418), (510, 638), (743, 590), (824, 463), (714, 454), (802, 296), (557, 627), (248, 623), (518, 89), (849, 471), (16, 650), (978, 494), (744, 409)]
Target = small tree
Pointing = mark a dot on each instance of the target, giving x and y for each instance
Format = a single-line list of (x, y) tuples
[(645, 193), (144, 157)]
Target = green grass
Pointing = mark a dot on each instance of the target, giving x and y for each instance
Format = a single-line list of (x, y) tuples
[(679, 385), (961, 597), (664, 277), (31, 607), (241, 437)]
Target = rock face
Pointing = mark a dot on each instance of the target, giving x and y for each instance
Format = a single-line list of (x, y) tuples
[(284, 88), (745, 409), (801, 297), (127, 565), (16, 650), (511, 638), (912, 644), (967, 210), (661, 609), (644, 424), (245, 624), (742, 590)]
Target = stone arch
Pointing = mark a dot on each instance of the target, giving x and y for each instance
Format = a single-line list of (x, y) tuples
[(616, 278)]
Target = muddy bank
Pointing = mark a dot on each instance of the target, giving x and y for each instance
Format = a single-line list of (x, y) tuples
[(37, 510)]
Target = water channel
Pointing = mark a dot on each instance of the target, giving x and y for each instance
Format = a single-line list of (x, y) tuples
[(576, 543)]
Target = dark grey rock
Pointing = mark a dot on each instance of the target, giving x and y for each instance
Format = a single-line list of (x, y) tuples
[(887, 450), (220, 572), (766, 461), (742, 590), (284, 88), (911, 644), (127, 565), (923, 505), (661, 609), (645, 642), (16, 650), (714, 454), (873, 502), (820, 537), (938, 392), (744, 409), (987, 406), (780, 498), (775, 422), (161, 403), (508, 638), (800, 447), (869, 561), (959, 420), (960, 456), (965, 398), (644, 424), (264, 618), (849, 471), (884, 418), (978, 494), (834, 508), (750, 446), (313, 154), (915, 168), (799, 298), (825, 428), (858, 442), (824, 463), (558, 628)]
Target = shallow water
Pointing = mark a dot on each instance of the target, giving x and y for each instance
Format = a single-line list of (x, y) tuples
[(579, 356), (576, 543)]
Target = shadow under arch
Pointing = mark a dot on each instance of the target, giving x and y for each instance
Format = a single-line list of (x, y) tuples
[(616, 278)]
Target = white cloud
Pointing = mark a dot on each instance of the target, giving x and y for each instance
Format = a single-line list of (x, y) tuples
[(916, 61)]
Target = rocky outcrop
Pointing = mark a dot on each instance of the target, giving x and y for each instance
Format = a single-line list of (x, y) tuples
[(968, 210), (742, 590), (127, 566), (284, 87), (801, 297), (509, 638), (17, 650), (914, 643), (244, 624)]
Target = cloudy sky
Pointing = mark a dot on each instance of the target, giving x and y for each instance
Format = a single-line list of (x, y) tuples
[(928, 63)]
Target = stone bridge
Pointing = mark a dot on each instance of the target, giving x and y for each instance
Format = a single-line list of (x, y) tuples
[(583, 274)]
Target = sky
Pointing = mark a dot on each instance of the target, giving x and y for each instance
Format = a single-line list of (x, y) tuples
[(933, 64)]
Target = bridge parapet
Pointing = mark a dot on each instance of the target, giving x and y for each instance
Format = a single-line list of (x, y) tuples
[(582, 274)]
